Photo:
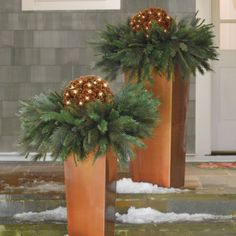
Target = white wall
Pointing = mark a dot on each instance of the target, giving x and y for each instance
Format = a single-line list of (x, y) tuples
[(203, 94)]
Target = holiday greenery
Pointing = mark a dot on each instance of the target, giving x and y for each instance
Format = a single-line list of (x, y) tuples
[(48, 125), (186, 46)]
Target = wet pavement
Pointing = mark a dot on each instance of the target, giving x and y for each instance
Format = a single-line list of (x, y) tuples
[(40, 186)]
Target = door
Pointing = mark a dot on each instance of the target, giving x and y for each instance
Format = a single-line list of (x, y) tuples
[(224, 77)]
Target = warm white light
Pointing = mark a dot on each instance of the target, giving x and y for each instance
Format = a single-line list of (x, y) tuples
[(100, 94), (80, 103), (90, 91), (105, 84), (87, 98), (75, 91), (89, 85)]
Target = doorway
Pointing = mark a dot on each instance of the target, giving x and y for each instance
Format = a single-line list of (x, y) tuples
[(224, 78)]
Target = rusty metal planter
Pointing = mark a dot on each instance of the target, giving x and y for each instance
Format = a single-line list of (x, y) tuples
[(163, 161), (90, 196)]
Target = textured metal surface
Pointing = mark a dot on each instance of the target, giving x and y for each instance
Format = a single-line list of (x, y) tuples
[(88, 198), (163, 161)]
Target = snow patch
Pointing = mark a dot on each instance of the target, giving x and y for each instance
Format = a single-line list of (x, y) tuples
[(37, 186), (126, 185), (58, 214), (134, 216), (149, 215)]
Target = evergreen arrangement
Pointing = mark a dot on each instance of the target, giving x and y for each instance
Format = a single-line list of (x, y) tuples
[(140, 46), (50, 126)]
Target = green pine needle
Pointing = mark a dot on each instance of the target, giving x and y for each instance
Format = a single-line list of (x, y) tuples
[(50, 127), (187, 47)]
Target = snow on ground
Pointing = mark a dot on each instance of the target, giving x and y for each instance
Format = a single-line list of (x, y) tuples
[(58, 214), (37, 186), (126, 185), (134, 216), (149, 215), (123, 186)]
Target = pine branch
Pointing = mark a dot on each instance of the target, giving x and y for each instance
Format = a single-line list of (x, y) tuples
[(188, 46), (48, 126)]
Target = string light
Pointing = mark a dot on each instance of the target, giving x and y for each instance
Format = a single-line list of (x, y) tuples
[(143, 20), (87, 89)]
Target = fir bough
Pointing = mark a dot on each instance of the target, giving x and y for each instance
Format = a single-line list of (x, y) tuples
[(49, 126), (188, 47)]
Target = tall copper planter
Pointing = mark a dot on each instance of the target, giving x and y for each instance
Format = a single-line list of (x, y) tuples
[(163, 161), (90, 196)]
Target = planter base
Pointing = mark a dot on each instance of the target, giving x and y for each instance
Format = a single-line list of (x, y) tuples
[(163, 161), (90, 196)]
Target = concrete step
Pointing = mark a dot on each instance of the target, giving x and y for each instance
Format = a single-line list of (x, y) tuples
[(11, 204), (33, 230), (179, 229), (183, 229), (190, 202)]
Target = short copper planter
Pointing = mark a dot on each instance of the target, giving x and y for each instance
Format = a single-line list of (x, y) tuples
[(90, 196), (163, 161)]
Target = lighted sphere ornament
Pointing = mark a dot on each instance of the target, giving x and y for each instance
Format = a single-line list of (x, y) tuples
[(144, 19), (87, 89)]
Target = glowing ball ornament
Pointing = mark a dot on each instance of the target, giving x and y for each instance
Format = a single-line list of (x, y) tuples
[(87, 89), (143, 20)]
